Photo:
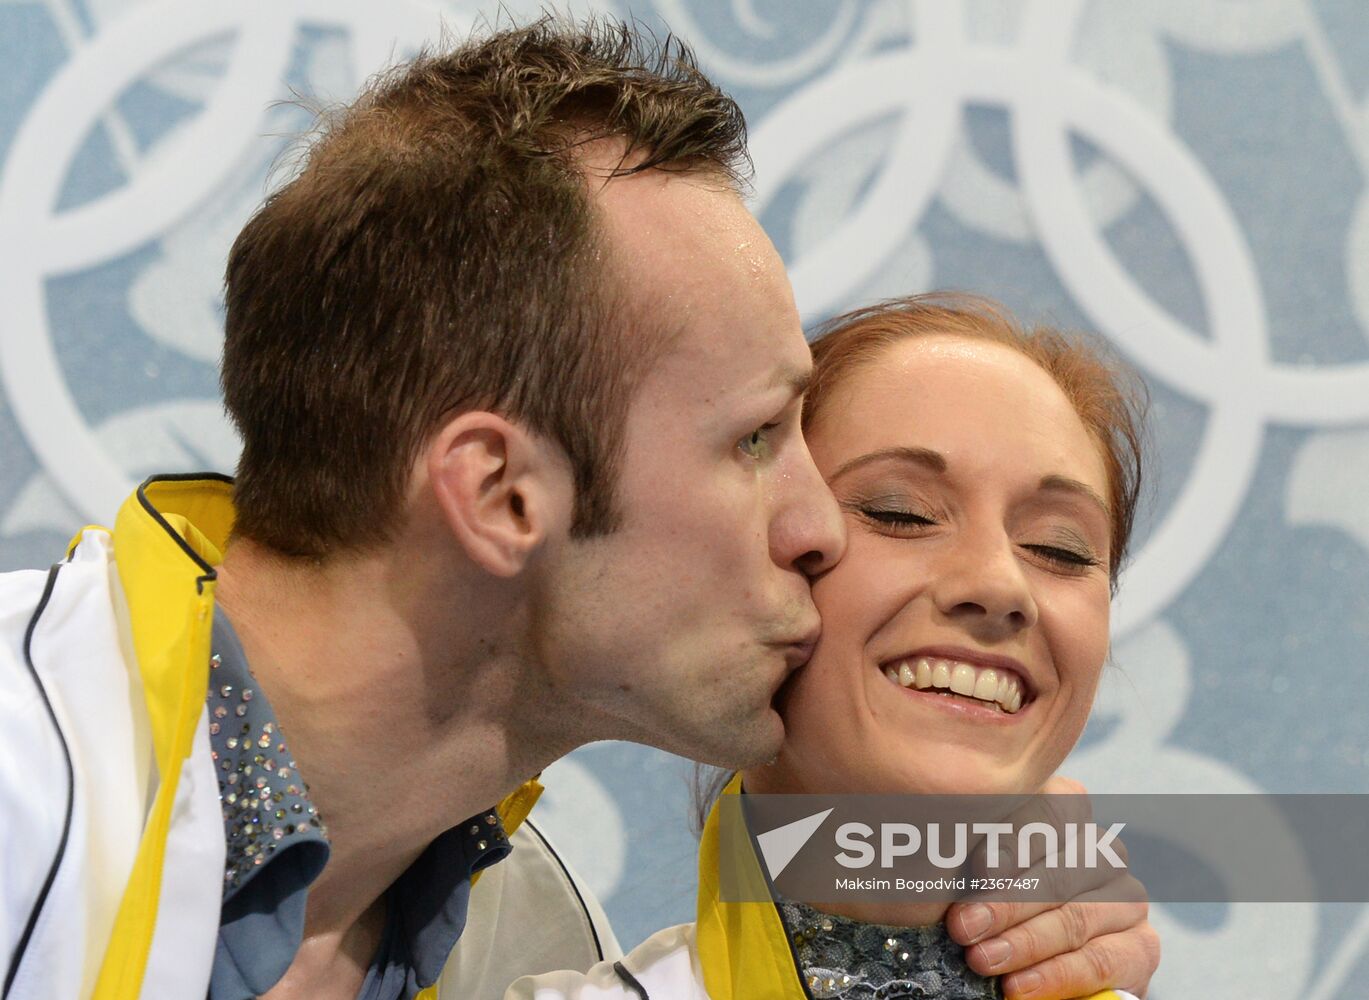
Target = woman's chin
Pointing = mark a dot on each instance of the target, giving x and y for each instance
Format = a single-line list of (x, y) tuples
[(873, 760), (935, 770)]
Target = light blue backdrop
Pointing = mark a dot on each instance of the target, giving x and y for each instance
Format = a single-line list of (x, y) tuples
[(1187, 176)]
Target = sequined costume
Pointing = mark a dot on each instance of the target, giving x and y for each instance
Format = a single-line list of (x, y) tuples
[(845, 959), (112, 842), (744, 951)]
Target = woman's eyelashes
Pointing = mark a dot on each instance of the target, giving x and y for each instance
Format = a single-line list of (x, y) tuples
[(899, 516), (1064, 557), (890, 513), (1067, 549)]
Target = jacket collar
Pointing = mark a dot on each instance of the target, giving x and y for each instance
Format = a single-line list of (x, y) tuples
[(165, 562), (168, 538)]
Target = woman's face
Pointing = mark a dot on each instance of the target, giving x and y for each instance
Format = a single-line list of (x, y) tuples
[(965, 629)]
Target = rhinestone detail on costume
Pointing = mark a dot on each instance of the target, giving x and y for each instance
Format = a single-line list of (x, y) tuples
[(844, 959), (265, 806)]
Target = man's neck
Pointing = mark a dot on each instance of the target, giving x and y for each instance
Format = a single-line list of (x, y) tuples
[(332, 965), (403, 719)]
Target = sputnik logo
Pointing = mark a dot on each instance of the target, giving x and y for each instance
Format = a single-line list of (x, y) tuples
[(779, 846)]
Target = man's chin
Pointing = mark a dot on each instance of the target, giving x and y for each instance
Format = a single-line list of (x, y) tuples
[(750, 742)]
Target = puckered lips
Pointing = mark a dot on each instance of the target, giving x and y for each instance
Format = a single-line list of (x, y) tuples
[(985, 683), (798, 649)]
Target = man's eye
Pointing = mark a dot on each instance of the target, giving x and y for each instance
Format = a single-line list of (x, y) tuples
[(754, 443)]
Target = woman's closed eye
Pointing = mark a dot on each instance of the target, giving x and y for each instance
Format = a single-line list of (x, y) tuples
[(889, 515), (1064, 549), (1067, 557), (899, 517)]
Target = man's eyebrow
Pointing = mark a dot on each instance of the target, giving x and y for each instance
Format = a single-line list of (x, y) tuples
[(1065, 484), (925, 457), (796, 379)]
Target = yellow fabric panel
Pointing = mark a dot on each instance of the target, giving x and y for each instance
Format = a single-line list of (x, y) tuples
[(207, 504), (76, 538), (516, 806), (513, 810), (743, 948), (171, 605)]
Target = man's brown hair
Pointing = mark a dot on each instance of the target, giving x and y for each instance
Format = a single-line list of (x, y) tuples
[(440, 251)]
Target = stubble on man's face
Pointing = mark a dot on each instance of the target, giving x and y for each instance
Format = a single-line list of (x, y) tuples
[(686, 616)]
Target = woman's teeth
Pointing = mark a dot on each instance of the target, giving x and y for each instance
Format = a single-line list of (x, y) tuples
[(995, 687)]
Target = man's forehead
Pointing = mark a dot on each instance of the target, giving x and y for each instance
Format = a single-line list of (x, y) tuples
[(669, 217), (698, 366), (694, 265)]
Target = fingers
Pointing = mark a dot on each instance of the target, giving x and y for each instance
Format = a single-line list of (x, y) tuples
[(1099, 940), (975, 920), (1126, 960), (1056, 932), (1072, 951), (1058, 882)]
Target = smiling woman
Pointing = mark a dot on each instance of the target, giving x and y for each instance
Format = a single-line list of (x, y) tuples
[(988, 478)]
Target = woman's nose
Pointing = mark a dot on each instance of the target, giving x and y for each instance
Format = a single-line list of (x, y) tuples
[(983, 585)]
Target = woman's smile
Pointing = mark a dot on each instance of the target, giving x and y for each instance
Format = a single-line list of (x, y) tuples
[(1001, 691)]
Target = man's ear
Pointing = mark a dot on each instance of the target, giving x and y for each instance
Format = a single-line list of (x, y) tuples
[(501, 489)]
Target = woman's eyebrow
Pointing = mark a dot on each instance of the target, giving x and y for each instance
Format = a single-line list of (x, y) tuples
[(1064, 484), (925, 457)]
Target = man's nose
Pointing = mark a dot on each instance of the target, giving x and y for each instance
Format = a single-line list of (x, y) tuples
[(810, 533)]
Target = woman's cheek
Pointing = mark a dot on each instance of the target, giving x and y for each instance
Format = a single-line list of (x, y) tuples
[(1079, 685)]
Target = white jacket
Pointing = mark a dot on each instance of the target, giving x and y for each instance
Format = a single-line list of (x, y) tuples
[(665, 965), (111, 836)]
